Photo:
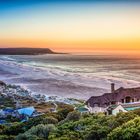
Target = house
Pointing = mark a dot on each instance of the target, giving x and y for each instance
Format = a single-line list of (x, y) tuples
[(6, 112), (2, 122), (114, 109), (28, 111), (126, 98)]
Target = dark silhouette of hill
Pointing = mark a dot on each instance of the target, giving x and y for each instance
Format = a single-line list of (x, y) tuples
[(25, 51)]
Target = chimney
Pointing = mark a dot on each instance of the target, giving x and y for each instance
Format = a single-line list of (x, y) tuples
[(112, 87)]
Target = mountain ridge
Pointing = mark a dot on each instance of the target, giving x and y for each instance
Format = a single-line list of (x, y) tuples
[(26, 51)]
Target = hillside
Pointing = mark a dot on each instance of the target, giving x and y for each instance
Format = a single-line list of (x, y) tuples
[(25, 51), (59, 121)]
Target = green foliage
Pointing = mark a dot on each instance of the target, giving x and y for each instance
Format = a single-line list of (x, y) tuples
[(27, 137), (2, 128), (37, 132), (15, 129), (128, 131), (90, 127), (137, 111), (71, 125), (73, 116), (6, 102), (97, 132), (124, 117), (12, 119), (5, 137), (49, 120), (63, 113)]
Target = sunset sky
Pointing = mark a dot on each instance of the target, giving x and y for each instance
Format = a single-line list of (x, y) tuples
[(71, 25)]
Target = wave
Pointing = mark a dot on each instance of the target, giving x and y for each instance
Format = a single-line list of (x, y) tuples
[(64, 79), (6, 58)]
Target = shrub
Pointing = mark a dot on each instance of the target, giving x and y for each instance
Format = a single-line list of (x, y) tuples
[(5, 137), (41, 131), (128, 131), (49, 120), (73, 116), (27, 137)]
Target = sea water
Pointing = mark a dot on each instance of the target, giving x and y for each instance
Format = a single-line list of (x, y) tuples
[(68, 75)]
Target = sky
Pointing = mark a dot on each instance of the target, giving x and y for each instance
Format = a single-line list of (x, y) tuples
[(111, 26)]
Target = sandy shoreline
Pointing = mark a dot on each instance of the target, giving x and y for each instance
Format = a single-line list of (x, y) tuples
[(53, 87)]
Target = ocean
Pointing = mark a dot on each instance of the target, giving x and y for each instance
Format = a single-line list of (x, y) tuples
[(69, 75)]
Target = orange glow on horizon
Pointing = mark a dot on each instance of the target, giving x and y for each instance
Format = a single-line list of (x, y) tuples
[(72, 28), (77, 46)]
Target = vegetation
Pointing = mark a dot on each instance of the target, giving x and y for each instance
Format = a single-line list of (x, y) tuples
[(37, 132), (6, 102), (67, 124), (128, 131)]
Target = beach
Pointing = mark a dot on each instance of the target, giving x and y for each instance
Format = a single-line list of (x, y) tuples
[(70, 76)]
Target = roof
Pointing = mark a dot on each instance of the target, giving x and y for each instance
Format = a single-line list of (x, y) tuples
[(117, 96), (82, 109), (26, 111), (131, 108), (8, 110), (2, 121)]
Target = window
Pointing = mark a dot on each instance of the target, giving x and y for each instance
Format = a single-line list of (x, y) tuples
[(122, 100), (127, 99), (113, 102)]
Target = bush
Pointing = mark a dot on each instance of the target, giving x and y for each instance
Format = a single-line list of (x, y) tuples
[(15, 129), (137, 111), (128, 131), (40, 131), (5, 137), (49, 120), (73, 116), (27, 137), (64, 112), (2, 127)]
